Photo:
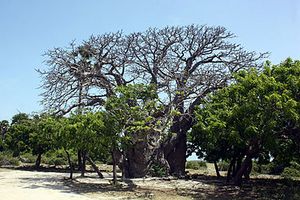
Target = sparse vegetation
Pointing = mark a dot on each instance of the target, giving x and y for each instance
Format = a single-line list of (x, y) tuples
[(223, 165), (27, 158), (6, 159), (291, 172), (196, 164)]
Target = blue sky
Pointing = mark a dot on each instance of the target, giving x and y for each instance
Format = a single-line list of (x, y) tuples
[(29, 28)]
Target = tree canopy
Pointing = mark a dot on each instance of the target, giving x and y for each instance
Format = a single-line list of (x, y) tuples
[(252, 118)]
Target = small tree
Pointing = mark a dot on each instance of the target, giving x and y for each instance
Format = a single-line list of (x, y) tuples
[(84, 132), (4, 125), (17, 137), (41, 139)]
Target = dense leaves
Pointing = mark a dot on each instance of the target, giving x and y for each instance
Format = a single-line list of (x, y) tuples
[(255, 117)]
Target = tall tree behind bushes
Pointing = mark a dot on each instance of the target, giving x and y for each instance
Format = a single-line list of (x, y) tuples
[(183, 63), (135, 109)]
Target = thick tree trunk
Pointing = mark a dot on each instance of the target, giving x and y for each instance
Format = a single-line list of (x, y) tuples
[(176, 156), (137, 158), (176, 146), (94, 166), (70, 164), (38, 161), (239, 175), (217, 169)]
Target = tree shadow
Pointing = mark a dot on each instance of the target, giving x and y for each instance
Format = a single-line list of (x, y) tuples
[(50, 183), (206, 187), (79, 185), (86, 187), (255, 188)]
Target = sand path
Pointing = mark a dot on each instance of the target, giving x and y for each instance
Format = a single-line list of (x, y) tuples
[(25, 185)]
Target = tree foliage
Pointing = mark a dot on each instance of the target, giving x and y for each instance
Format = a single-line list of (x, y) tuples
[(252, 118)]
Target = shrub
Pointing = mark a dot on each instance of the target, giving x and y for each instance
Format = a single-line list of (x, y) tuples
[(157, 169), (194, 164), (267, 168), (52, 159), (27, 158), (57, 161), (293, 171), (263, 168), (57, 157), (8, 159)]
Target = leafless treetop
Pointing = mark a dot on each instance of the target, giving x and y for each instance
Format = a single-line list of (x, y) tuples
[(185, 63)]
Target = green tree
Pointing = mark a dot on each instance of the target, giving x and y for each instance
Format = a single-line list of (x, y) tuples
[(250, 118), (4, 125), (41, 139), (83, 132), (17, 137)]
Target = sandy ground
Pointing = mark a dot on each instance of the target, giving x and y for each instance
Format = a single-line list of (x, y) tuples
[(33, 185), (25, 185)]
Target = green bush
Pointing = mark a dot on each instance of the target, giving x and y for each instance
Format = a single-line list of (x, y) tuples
[(52, 159), (57, 161), (27, 158), (293, 171), (8, 159), (262, 168), (223, 165), (57, 157), (267, 168), (157, 169), (194, 164)]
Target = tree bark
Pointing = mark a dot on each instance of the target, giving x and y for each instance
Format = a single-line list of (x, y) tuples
[(248, 171), (230, 170), (83, 166), (239, 175), (137, 157), (70, 164), (79, 160), (114, 167), (94, 166), (38, 161), (217, 169), (238, 165), (176, 157), (176, 146)]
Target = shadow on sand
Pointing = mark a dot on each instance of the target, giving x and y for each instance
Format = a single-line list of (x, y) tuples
[(213, 188)]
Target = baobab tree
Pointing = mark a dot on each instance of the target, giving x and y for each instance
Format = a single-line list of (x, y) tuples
[(183, 63)]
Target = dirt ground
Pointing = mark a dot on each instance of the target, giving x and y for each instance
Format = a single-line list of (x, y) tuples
[(33, 185)]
